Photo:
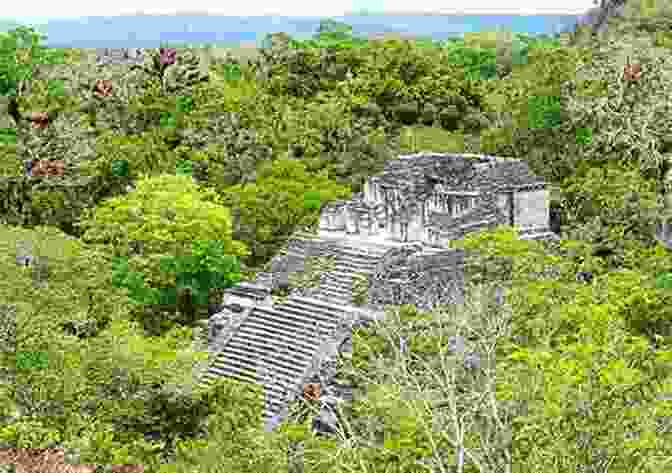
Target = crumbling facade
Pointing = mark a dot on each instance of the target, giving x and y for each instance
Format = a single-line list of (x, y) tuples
[(395, 237), (424, 281), (435, 198)]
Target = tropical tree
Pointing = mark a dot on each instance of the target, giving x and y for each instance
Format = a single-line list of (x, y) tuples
[(284, 198), (159, 222)]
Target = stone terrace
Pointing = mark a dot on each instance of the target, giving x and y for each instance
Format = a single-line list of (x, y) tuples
[(282, 345)]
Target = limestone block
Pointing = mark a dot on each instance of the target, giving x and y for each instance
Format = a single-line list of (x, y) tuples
[(531, 209)]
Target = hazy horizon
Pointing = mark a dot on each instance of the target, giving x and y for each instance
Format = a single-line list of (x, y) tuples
[(152, 30), (74, 9)]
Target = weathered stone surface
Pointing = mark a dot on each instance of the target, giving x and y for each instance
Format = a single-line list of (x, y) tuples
[(392, 248), (425, 281), (434, 198)]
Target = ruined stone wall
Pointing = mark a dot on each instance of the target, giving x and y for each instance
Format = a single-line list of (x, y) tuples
[(423, 281), (292, 260), (531, 209)]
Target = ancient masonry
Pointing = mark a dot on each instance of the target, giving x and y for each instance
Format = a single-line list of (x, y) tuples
[(397, 234)]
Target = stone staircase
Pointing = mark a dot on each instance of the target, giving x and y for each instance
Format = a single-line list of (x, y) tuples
[(276, 347), (281, 345), (355, 255), (337, 284)]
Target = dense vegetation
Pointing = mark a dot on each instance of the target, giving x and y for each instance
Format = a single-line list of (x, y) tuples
[(571, 376)]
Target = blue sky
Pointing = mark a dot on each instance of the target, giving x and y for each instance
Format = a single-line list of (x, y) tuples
[(48, 9)]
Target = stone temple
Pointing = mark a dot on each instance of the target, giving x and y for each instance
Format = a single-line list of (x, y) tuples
[(397, 236), (433, 199)]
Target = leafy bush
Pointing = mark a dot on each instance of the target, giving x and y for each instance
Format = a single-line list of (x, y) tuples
[(284, 198), (664, 281), (28, 433), (20, 52)]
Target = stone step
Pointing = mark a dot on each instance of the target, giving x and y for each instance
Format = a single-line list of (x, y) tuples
[(350, 260), (312, 302), (342, 276), (292, 317), (346, 293), (350, 267), (361, 252), (309, 312), (228, 370), (375, 248), (338, 281), (347, 267), (278, 388), (280, 368), (298, 338), (275, 394), (286, 355), (335, 289), (271, 341), (336, 297), (341, 296), (251, 373), (279, 341), (332, 298), (334, 312), (250, 360)]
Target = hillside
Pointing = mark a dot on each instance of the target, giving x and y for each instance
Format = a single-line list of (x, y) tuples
[(175, 175)]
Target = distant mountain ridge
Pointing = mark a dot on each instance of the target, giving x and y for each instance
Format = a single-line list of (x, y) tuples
[(153, 30)]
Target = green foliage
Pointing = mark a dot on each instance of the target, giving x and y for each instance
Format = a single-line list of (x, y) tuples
[(184, 103), (7, 136), (163, 211), (543, 112), (235, 441), (206, 268), (145, 153), (308, 278), (584, 136), (574, 348), (55, 88), (48, 199), (120, 167), (283, 199), (33, 360), (20, 52), (231, 72), (172, 119), (28, 433), (166, 269), (525, 103), (360, 289), (664, 281), (336, 107), (611, 206), (134, 281), (184, 168), (477, 63)]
